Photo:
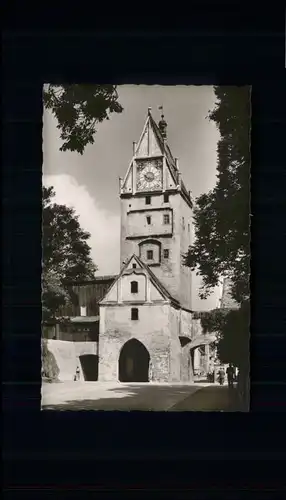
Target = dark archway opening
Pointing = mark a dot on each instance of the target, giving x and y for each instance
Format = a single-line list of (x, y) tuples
[(89, 365), (134, 362)]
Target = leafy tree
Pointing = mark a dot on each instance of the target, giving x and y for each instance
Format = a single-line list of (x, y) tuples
[(222, 216), (66, 254), (222, 225), (50, 369), (54, 294), (78, 109)]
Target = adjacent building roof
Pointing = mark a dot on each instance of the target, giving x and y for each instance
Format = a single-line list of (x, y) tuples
[(84, 319), (96, 279)]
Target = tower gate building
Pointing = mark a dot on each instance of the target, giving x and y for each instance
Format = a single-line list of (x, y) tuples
[(147, 328)]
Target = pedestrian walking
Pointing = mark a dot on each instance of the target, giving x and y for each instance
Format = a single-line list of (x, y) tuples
[(77, 373), (230, 375), (221, 376)]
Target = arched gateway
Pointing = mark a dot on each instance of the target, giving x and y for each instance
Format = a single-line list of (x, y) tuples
[(89, 365), (134, 362)]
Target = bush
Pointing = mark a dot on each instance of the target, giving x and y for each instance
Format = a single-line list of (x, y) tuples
[(50, 369)]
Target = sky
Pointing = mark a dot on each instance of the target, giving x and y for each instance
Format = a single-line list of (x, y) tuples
[(90, 182)]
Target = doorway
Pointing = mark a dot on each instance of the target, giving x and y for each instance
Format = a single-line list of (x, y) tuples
[(89, 365), (134, 362)]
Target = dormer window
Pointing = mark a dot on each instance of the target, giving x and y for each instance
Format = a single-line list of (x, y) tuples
[(134, 286), (166, 198), (148, 200), (134, 266), (148, 218)]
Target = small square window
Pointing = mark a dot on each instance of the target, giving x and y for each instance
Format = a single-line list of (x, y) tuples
[(166, 253), (134, 313), (149, 254), (134, 266), (166, 219), (148, 200), (166, 198), (148, 220)]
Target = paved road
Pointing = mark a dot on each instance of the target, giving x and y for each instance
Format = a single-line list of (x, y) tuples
[(211, 398), (125, 397)]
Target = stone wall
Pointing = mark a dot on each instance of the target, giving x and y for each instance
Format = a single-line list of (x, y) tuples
[(185, 222), (175, 351), (67, 356), (152, 329), (172, 274)]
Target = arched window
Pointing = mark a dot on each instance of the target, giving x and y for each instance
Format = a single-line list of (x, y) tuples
[(150, 251), (134, 286)]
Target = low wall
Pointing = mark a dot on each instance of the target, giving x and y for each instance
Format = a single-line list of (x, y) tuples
[(67, 356)]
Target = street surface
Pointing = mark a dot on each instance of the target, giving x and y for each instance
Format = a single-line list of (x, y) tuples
[(134, 396)]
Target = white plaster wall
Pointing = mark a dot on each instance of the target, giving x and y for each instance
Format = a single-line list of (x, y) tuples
[(126, 287), (67, 356)]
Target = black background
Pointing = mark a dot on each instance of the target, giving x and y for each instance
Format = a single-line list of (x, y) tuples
[(69, 452)]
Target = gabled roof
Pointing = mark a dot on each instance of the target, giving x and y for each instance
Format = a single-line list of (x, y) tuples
[(154, 280), (161, 149), (170, 159)]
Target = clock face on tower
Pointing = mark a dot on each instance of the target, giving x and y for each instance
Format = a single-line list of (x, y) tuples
[(149, 175)]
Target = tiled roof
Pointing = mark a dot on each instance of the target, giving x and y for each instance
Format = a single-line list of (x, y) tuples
[(84, 319), (96, 279)]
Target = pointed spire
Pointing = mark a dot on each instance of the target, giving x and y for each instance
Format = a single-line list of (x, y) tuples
[(163, 124)]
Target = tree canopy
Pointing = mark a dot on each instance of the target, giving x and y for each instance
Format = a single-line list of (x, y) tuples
[(66, 253), (222, 225), (222, 216), (78, 109)]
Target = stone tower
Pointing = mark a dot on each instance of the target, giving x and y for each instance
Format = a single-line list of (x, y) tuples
[(156, 211)]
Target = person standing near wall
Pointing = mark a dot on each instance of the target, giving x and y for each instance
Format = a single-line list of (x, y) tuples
[(77, 374), (230, 375)]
